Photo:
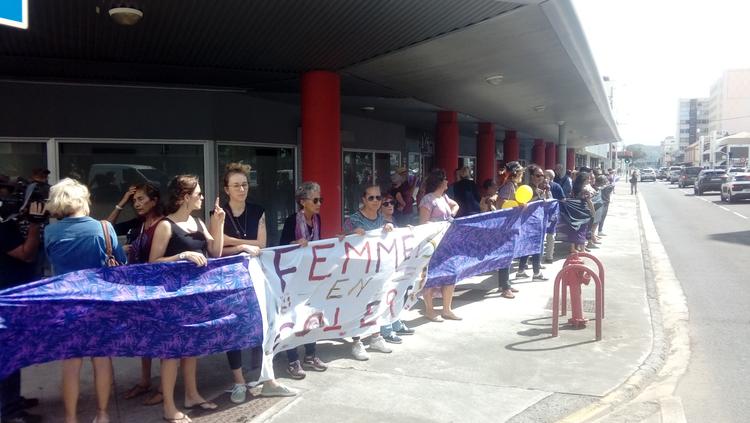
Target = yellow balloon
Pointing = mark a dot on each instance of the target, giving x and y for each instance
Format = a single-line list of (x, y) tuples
[(524, 194), (508, 204)]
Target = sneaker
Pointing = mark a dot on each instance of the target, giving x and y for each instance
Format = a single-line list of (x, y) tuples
[(276, 391), (239, 393), (393, 339), (358, 351), (522, 274), (539, 277), (314, 363), (378, 344), (405, 331), (295, 370)]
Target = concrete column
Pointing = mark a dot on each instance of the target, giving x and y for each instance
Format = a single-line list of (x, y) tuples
[(446, 145), (511, 148), (485, 152), (321, 143), (562, 144)]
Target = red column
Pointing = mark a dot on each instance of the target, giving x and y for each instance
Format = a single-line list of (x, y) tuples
[(571, 160), (485, 152), (321, 143), (537, 152), (549, 160), (446, 146), (511, 147)]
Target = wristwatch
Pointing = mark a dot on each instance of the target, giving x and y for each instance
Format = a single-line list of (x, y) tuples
[(181, 256)]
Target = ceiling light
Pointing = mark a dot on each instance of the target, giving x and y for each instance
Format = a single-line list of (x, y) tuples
[(494, 79), (126, 16), (540, 108), (367, 108)]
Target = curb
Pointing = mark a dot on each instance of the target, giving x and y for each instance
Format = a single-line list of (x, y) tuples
[(656, 378)]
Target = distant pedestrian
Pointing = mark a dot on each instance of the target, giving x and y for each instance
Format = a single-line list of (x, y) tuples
[(634, 182)]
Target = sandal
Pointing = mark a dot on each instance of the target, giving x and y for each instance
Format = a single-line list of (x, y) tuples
[(136, 391), (451, 316), (157, 398), (507, 294), (433, 318), (183, 419), (205, 405)]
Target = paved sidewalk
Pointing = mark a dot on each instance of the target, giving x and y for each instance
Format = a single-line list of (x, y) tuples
[(498, 364)]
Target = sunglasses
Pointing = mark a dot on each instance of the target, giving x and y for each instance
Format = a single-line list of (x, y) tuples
[(317, 200), (388, 203), (374, 198), (539, 175)]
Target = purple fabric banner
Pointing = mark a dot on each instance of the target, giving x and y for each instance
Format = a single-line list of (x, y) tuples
[(165, 310), (489, 241)]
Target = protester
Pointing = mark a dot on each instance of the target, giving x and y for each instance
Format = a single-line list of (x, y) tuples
[(180, 236), (403, 193), (507, 192), (489, 200), (301, 228), (540, 192), (564, 179), (580, 192), (244, 232), (368, 218), (557, 193), (139, 231), (436, 206), (17, 256), (605, 189), (466, 193), (73, 243)]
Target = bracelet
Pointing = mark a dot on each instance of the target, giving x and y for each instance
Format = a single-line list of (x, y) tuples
[(182, 256), (117, 206)]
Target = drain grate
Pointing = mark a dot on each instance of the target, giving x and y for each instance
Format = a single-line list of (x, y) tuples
[(233, 413), (589, 306)]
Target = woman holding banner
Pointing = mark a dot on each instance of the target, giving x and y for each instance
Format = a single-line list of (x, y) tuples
[(244, 232), (436, 206), (368, 218), (181, 236), (540, 192), (76, 242), (301, 228), (507, 192)]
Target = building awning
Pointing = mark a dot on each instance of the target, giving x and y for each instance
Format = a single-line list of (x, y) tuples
[(404, 59), (740, 138)]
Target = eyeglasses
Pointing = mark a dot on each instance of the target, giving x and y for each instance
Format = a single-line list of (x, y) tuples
[(388, 203), (237, 186), (316, 200), (374, 198)]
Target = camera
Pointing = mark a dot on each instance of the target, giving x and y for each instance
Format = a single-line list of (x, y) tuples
[(16, 197)]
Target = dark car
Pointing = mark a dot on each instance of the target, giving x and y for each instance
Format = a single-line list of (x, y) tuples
[(688, 176), (709, 180)]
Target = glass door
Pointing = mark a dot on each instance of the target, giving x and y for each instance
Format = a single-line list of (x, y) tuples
[(363, 168)]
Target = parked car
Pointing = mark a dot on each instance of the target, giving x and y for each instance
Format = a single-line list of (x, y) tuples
[(734, 170), (663, 173), (674, 174), (648, 175), (736, 187), (709, 180), (688, 176)]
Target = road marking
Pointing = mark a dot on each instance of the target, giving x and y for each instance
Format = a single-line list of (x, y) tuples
[(724, 208), (744, 217)]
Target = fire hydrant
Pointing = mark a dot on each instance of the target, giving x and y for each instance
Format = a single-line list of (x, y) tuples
[(573, 274)]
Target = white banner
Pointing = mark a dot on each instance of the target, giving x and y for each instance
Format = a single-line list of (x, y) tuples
[(342, 288)]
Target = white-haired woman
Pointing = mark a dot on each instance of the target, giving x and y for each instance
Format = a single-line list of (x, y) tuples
[(76, 242)]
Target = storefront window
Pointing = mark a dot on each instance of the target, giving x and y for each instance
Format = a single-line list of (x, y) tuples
[(20, 158), (469, 161), (272, 181), (110, 168), (365, 168)]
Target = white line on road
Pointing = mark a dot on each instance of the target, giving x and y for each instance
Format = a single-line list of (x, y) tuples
[(724, 208), (744, 217)]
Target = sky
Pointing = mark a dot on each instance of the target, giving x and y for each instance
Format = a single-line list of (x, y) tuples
[(658, 51)]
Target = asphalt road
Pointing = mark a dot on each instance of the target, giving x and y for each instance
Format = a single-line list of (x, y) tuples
[(708, 243)]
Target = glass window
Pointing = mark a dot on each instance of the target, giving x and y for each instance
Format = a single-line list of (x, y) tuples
[(272, 181), (110, 168), (469, 161), (20, 158), (357, 175)]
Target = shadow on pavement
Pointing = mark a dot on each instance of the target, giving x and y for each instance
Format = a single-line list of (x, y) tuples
[(739, 237)]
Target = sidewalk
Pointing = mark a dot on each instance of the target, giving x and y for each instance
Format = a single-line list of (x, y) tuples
[(498, 364)]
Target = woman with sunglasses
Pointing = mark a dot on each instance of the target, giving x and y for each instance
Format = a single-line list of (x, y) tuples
[(368, 218), (541, 192), (244, 232), (436, 206), (300, 228), (507, 191)]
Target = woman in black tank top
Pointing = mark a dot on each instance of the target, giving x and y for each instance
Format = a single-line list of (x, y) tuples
[(183, 237)]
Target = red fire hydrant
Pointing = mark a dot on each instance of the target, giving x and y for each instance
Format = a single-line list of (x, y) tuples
[(573, 274)]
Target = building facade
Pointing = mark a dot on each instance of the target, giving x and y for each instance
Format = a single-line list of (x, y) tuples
[(692, 121), (729, 109), (669, 148)]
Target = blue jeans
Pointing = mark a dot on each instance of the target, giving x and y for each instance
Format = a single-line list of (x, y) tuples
[(388, 330), (293, 355), (10, 395)]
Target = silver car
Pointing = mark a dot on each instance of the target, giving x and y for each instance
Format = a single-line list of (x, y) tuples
[(736, 187)]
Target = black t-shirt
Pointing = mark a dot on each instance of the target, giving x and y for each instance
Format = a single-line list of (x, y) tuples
[(244, 226), (12, 271), (131, 228)]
